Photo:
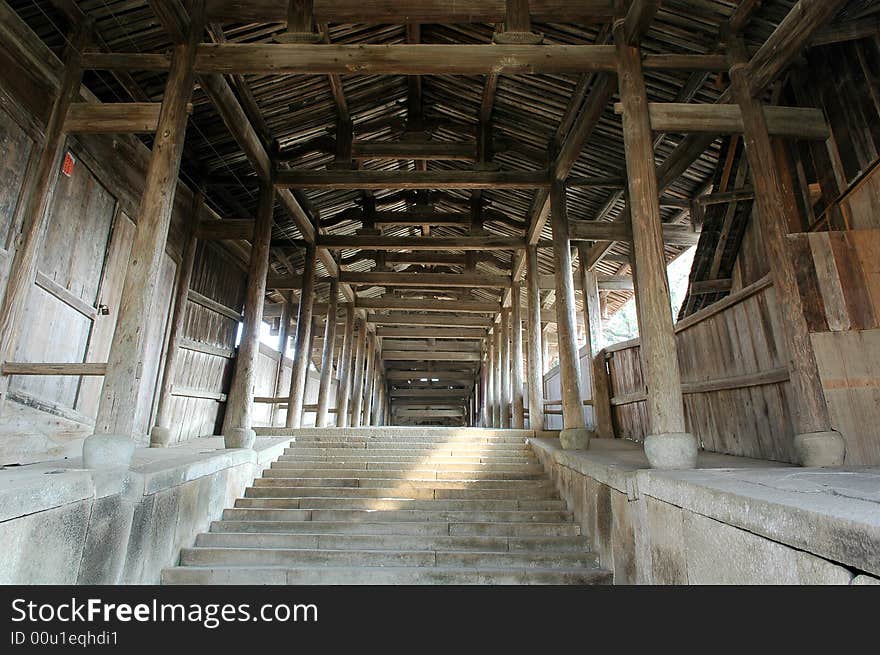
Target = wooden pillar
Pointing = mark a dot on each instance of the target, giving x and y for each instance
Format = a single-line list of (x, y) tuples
[(162, 431), (322, 418), (490, 381), (505, 368), (536, 365), (593, 330), (668, 445), (816, 442), (499, 396), (27, 245), (302, 342), (237, 431), (484, 382), (357, 387), (516, 354), (369, 361), (343, 369), (283, 339), (112, 444), (574, 435)]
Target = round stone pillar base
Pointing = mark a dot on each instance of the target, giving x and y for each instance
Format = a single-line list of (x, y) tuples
[(672, 451), (239, 438), (575, 438), (108, 451), (820, 449), (160, 437)]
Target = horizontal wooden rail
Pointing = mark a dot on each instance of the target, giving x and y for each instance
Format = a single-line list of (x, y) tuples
[(61, 368), (762, 378)]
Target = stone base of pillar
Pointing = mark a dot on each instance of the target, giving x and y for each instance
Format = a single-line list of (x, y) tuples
[(575, 438), (672, 451), (820, 449), (160, 437), (108, 451), (239, 438)]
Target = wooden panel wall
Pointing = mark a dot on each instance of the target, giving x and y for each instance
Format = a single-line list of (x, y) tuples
[(733, 374)]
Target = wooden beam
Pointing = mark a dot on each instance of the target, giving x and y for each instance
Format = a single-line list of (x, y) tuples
[(426, 280), (430, 333), (402, 12), (410, 150), (452, 179), (682, 118), (113, 118), (434, 320), (401, 59), (380, 242), (64, 368), (430, 356), (447, 306), (678, 235)]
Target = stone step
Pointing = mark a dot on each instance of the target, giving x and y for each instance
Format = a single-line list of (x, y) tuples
[(329, 557), (398, 483), (416, 493), (398, 448), (391, 542), (331, 434), (394, 502), (397, 432), (432, 528), (359, 515), (196, 575), (352, 456), (418, 474), (528, 469)]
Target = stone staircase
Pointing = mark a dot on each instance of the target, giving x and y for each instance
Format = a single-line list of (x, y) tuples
[(396, 506)]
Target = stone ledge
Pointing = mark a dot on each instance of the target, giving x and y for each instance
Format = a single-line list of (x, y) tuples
[(831, 513), (24, 491)]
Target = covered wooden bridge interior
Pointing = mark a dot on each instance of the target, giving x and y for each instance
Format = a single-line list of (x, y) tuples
[(427, 202)]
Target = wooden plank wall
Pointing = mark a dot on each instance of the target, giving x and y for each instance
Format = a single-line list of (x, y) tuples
[(553, 391), (734, 381)]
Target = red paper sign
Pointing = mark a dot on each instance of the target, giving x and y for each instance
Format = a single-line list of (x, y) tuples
[(67, 166)]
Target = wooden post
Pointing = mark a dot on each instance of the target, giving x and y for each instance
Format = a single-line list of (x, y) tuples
[(27, 245), (302, 342), (322, 418), (498, 394), (816, 442), (112, 444), (490, 381), (237, 431), (343, 369), (357, 388), (369, 361), (536, 365), (283, 339), (484, 381), (574, 435), (516, 353), (161, 434), (505, 369), (669, 446), (601, 409), (518, 25)]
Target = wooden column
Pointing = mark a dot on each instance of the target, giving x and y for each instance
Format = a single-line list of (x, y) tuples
[(302, 342), (283, 339), (516, 354), (27, 245), (322, 419), (357, 387), (161, 434), (343, 369), (237, 431), (484, 386), (490, 381), (574, 435), (601, 409), (816, 442), (505, 369), (499, 396), (669, 445), (536, 365), (369, 361), (112, 445)]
